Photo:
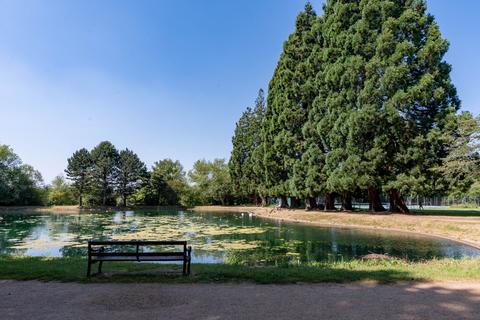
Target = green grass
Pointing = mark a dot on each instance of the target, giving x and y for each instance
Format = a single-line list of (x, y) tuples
[(452, 212), (73, 270)]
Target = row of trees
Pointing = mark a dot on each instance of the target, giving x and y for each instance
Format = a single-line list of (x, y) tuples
[(106, 176), (360, 104)]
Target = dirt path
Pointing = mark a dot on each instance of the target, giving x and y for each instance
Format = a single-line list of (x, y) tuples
[(37, 300)]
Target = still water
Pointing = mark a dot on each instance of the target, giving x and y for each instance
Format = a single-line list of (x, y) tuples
[(215, 237)]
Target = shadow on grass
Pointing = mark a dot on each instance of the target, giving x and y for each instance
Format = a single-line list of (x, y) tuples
[(74, 270), (448, 212)]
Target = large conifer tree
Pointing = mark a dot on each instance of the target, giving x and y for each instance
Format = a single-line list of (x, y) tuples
[(360, 101), (289, 99), (79, 171), (406, 99), (105, 170), (245, 171)]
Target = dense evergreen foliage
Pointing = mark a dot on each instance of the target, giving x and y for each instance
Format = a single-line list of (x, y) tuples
[(289, 100), (78, 171), (130, 175), (360, 103), (247, 155)]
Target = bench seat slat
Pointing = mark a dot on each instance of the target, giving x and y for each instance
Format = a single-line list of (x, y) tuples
[(134, 243), (134, 254), (140, 258)]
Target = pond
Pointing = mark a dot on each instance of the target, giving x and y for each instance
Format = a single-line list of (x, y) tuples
[(215, 237)]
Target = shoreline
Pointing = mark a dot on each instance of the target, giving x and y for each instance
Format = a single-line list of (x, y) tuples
[(74, 209), (286, 215)]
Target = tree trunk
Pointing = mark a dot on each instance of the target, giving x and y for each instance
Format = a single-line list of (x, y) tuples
[(81, 200), (296, 202), (282, 202), (264, 201), (330, 201), (375, 203), (124, 197), (310, 203), (396, 202), (255, 199), (104, 189), (347, 201)]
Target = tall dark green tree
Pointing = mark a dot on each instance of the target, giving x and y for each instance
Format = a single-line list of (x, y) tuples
[(239, 158), (255, 161), (342, 126), (407, 96), (308, 178), (105, 170), (245, 172), (79, 172), (131, 174), (289, 99)]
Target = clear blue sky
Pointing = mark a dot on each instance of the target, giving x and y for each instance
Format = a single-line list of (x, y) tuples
[(165, 78)]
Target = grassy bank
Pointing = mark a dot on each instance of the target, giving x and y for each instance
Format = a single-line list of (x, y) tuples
[(73, 270), (456, 224)]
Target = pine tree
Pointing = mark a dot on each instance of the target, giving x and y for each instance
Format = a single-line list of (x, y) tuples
[(241, 153), (255, 162), (78, 170), (289, 98), (131, 174), (104, 170)]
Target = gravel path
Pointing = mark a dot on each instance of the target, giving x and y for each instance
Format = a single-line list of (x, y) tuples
[(38, 300)]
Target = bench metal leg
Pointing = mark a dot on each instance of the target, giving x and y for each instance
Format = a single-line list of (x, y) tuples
[(100, 267), (188, 267), (184, 267), (89, 268)]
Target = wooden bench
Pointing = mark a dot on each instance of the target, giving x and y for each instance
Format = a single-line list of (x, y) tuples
[(98, 252)]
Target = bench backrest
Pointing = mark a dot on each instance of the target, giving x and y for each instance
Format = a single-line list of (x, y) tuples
[(134, 243)]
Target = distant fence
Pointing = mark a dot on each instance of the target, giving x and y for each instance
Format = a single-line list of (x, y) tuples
[(411, 202), (425, 202)]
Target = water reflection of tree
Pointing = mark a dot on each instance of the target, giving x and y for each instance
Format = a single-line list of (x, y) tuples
[(289, 242)]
